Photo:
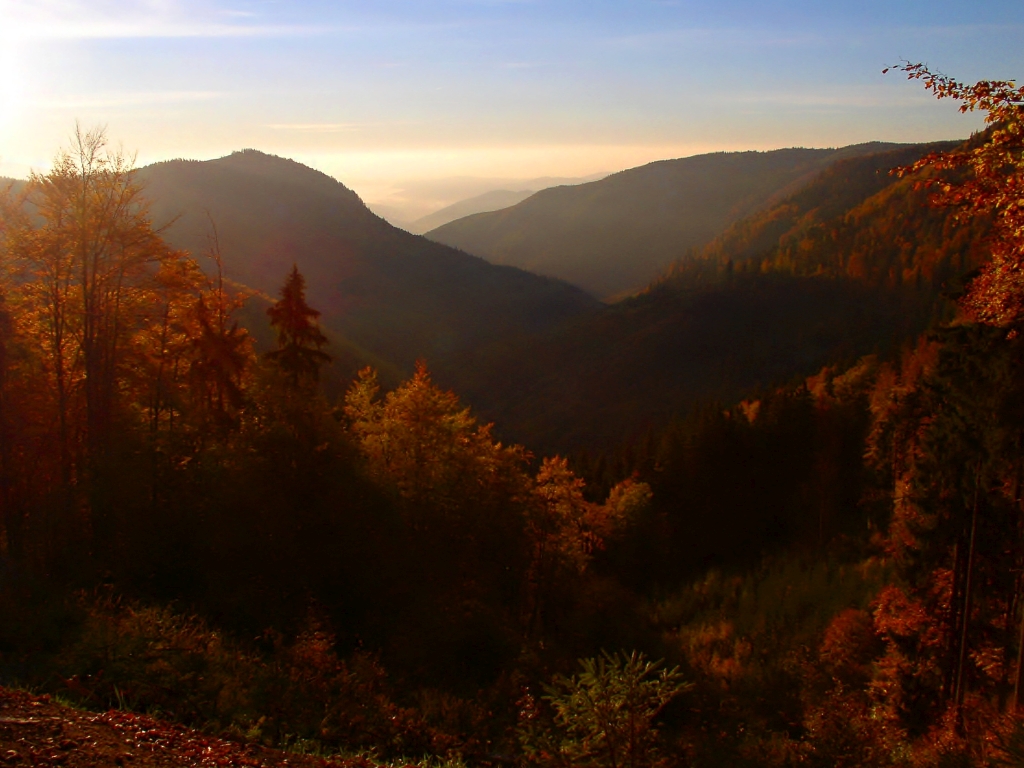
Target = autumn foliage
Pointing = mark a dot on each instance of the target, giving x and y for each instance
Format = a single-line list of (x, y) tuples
[(831, 568), (993, 186)]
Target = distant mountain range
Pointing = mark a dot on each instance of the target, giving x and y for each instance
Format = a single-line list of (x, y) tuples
[(613, 236), (395, 295), (494, 200), (854, 262), (836, 258), (412, 206), (857, 221)]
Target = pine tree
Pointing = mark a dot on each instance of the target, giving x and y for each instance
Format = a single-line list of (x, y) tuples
[(299, 337)]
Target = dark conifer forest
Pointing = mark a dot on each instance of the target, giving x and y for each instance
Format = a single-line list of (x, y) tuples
[(765, 512)]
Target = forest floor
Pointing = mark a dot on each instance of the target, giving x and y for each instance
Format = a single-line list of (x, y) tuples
[(38, 731)]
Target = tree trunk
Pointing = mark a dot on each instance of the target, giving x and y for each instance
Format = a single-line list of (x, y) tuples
[(953, 620), (7, 522), (1018, 682), (961, 667)]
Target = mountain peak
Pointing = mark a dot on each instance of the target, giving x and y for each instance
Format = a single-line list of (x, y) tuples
[(257, 165), (284, 169), (397, 295)]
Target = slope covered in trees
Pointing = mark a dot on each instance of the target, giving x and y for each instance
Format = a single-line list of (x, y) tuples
[(856, 220), (614, 235), (396, 295), (829, 570), (854, 262), (148, 457)]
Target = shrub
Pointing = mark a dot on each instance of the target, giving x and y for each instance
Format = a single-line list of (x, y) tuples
[(604, 716), (154, 660)]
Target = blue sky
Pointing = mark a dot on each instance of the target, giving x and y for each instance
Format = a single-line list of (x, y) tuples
[(390, 96)]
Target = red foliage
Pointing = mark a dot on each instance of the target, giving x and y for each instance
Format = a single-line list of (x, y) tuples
[(849, 646), (994, 186)]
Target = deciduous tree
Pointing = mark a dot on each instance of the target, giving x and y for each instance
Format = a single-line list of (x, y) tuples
[(565, 530), (420, 440), (993, 185), (93, 254)]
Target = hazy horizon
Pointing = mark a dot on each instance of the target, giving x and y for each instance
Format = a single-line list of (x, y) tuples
[(395, 99), (418, 198)]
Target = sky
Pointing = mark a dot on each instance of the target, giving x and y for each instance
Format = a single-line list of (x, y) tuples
[(412, 103)]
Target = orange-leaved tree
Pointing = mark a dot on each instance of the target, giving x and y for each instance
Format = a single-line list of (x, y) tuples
[(456, 482), (565, 530), (957, 462), (993, 186), (91, 257), (92, 353), (419, 440)]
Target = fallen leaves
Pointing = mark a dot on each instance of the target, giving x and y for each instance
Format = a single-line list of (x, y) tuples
[(37, 731)]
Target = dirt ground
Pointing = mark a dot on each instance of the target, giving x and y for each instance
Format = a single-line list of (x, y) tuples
[(37, 731)]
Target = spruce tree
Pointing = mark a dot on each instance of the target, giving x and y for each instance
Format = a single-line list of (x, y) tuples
[(299, 337)]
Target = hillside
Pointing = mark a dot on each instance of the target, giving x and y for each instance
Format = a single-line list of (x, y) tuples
[(853, 263), (612, 236), (396, 295), (855, 220), (648, 359), (13, 184)]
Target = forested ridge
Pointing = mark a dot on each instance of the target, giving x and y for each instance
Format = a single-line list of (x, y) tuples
[(610, 236), (818, 568), (855, 262), (855, 221)]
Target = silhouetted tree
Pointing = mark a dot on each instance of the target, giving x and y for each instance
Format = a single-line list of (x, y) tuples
[(299, 337), (221, 351)]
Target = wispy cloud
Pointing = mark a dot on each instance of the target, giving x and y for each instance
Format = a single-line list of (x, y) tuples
[(334, 127), (131, 99), (869, 97), (104, 19), (796, 36)]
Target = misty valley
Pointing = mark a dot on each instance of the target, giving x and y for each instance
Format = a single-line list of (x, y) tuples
[(714, 461)]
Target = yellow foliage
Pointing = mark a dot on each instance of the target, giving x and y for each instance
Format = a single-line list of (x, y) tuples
[(421, 442)]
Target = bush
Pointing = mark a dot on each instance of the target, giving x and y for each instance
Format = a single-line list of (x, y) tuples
[(604, 716), (151, 659)]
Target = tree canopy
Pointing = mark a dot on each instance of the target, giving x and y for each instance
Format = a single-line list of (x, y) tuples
[(993, 185)]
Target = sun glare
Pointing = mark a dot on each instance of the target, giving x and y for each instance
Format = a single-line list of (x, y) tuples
[(13, 90)]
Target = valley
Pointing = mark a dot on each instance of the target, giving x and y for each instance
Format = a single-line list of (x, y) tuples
[(714, 461)]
